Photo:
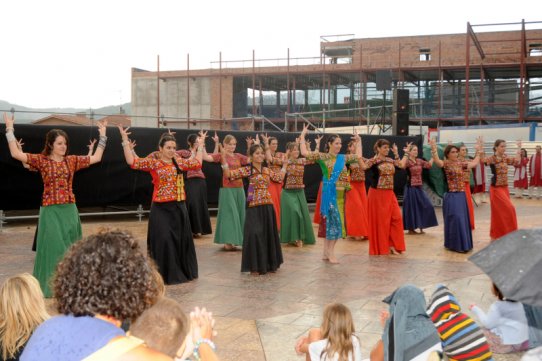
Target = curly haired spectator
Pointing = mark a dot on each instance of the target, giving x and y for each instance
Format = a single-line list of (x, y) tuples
[(22, 309), (102, 281)]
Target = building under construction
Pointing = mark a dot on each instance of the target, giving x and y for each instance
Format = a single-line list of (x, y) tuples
[(479, 77)]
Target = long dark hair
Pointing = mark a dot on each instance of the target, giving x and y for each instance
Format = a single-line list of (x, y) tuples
[(329, 141), (50, 139), (191, 140), (166, 137)]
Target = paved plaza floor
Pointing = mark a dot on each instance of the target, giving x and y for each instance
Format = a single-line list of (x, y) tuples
[(260, 317)]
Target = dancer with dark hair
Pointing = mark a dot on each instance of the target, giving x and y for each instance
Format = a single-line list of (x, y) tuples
[(463, 156), (335, 181), (59, 223), (521, 181), (503, 213), (261, 244), (196, 188), (535, 170), (355, 205), (169, 238), (418, 211), (230, 220), (385, 222), (296, 223), (275, 163), (457, 229)]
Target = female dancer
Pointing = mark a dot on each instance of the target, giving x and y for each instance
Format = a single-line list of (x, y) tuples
[(355, 207), (479, 191), (385, 221), (317, 217), (275, 188), (463, 157), (169, 237), (418, 211), (334, 181), (231, 197), (520, 174), (196, 189), (457, 230), (503, 213), (261, 243), (59, 225), (296, 223)]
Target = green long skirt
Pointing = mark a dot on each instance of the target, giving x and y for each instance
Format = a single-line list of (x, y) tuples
[(340, 204), (230, 220), (295, 221), (59, 227)]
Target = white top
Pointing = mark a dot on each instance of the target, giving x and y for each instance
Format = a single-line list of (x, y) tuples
[(505, 319), (316, 348)]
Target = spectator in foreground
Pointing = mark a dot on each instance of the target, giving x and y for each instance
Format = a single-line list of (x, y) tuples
[(165, 328), (462, 338), (335, 340), (408, 333), (102, 281), (505, 325), (22, 309)]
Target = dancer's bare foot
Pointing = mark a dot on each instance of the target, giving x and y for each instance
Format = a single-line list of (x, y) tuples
[(422, 231), (411, 231), (333, 260), (254, 273), (299, 243), (229, 247)]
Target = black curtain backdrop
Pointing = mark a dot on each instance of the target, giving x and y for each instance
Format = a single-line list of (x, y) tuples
[(112, 183)]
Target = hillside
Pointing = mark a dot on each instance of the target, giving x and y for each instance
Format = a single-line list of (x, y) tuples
[(27, 115)]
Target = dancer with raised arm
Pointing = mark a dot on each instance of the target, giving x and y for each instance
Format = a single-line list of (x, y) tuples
[(503, 213), (261, 244), (463, 156), (59, 224), (457, 229), (521, 179), (535, 169), (296, 227), (169, 237), (418, 211), (275, 164), (385, 222), (335, 180), (355, 207), (230, 220)]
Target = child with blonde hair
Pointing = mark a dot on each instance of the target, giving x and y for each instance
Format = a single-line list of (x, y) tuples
[(335, 340)]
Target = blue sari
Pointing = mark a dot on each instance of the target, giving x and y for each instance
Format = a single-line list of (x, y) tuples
[(328, 206)]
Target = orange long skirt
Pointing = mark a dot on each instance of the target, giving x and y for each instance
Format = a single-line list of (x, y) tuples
[(275, 189), (503, 213), (469, 204), (385, 222), (357, 222), (316, 218)]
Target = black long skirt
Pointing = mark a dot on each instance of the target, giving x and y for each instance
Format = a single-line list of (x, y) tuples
[(170, 242), (196, 203), (261, 242)]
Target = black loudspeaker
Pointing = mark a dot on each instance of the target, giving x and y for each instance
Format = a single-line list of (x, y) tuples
[(401, 100), (399, 123), (383, 80)]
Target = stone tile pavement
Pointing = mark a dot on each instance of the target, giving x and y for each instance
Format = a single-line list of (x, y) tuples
[(260, 317)]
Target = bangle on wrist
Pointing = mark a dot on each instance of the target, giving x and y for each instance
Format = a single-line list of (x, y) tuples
[(125, 143), (197, 345), (10, 137), (10, 130)]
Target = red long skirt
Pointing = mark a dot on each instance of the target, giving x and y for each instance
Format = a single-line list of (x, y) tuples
[(316, 219), (503, 213), (275, 189), (469, 204), (385, 222), (357, 222)]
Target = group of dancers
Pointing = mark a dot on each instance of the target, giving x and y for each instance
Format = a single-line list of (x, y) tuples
[(274, 208)]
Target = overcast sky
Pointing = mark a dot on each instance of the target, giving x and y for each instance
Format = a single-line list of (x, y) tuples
[(79, 53)]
